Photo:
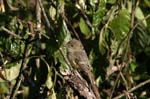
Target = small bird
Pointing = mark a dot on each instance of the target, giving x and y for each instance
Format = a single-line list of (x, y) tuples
[(79, 61)]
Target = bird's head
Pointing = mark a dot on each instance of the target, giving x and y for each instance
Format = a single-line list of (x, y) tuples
[(74, 45)]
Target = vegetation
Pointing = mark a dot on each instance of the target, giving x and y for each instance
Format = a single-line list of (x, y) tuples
[(114, 33)]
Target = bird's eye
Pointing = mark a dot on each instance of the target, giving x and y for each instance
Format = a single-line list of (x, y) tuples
[(71, 45)]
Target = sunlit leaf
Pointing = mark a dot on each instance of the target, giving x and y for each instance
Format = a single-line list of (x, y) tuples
[(12, 72), (139, 15), (84, 28), (52, 12), (120, 24), (133, 66), (111, 1)]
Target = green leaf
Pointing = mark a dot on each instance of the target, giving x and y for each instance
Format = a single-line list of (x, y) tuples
[(111, 1), (84, 28), (140, 15), (147, 2), (102, 41), (140, 38), (120, 25), (52, 12), (133, 66), (4, 88), (59, 56), (147, 50), (98, 16), (93, 2), (64, 34), (12, 72)]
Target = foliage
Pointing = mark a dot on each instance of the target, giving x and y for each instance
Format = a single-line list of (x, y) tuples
[(33, 34)]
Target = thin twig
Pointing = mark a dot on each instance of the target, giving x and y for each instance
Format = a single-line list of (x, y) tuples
[(20, 76), (38, 32), (101, 37), (131, 27), (44, 14), (132, 89), (80, 8), (69, 23), (113, 90), (140, 22), (134, 6), (11, 33)]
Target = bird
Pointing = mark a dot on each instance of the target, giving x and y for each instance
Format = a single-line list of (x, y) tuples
[(80, 62)]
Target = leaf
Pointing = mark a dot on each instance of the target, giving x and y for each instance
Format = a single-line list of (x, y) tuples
[(52, 12), (133, 66), (102, 41), (139, 15), (147, 2), (120, 24), (111, 1), (12, 72), (140, 38), (84, 28), (64, 34), (49, 82), (147, 50), (4, 88), (98, 16), (59, 56), (93, 2)]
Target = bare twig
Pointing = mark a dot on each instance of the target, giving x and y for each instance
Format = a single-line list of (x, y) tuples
[(11, 33), (69, 23), (80, 8), (132, 89), (140, 22), (44, 14), (38, 32), (38, 18), (134, 6)]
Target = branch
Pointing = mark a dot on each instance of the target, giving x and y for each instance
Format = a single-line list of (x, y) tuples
[(78, 83), (11, 33), (44, 14), (134, 88)]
